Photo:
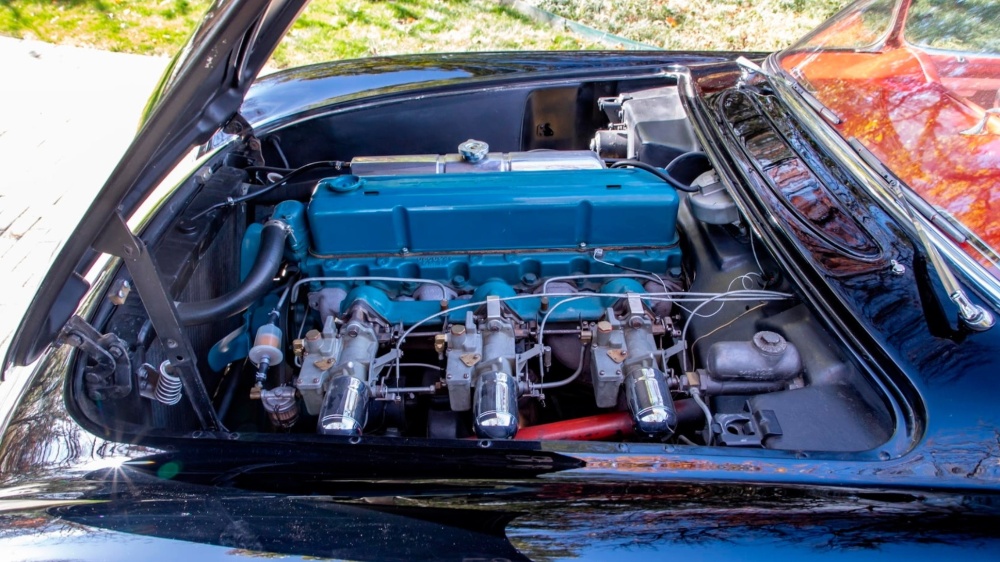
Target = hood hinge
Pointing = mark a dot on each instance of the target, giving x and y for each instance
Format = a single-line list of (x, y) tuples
[(239, 126), (109, 375)]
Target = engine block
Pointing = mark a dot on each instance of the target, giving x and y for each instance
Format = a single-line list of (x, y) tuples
[(492, 255), (485, 233)]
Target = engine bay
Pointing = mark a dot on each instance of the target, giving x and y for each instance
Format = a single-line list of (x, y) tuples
[(602, 293)]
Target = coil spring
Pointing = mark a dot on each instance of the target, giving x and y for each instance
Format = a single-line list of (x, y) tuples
[(169, 387)]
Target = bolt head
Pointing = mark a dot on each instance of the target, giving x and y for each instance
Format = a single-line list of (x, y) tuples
[(635, 322)]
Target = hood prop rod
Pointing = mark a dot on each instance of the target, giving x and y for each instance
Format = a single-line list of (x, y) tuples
[(117, 239)]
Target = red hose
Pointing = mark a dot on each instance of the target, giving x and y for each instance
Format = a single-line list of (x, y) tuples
[(603, 427)]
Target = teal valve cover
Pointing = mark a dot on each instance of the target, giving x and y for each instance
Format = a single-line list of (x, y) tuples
[(490, 212)]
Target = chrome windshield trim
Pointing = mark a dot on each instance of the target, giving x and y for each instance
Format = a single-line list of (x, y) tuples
[(985, 284)]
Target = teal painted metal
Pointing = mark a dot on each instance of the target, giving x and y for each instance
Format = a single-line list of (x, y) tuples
[(465, 272), (410, 312), (478, 276), (249, 248), (500, 211), (293, 213), (489, 234)]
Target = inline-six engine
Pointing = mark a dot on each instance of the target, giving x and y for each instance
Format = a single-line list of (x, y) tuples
[(490, 263), (613, 294)]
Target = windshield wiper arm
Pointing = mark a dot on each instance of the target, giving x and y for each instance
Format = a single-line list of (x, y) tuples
[(972, 315)]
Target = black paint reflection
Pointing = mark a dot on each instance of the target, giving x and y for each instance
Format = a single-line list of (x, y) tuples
[(308, 527), (549, 521)]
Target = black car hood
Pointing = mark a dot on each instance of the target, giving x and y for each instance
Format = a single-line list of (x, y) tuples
[(123, 513), (201, 90)]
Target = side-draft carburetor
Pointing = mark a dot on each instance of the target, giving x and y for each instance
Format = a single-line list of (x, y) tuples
[(482, 371), (623, 351), (485, 372), (339, 369)]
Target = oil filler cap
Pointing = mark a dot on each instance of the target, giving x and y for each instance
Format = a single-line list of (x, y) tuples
[(474, 151), (342, 184)]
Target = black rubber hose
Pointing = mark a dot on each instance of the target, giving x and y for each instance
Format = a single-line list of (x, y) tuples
[(271, 187), (257, 283), (663, 175), (688, 166)]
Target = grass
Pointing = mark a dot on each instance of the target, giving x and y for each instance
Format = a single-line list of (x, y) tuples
[(331, 29), (339, 29), (146, 27), (718, 25)]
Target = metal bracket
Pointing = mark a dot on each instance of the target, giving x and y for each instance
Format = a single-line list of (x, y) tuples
[(534, 351), (239, 126), (635, 306), (745, 429), (117, 239), (110, 376), (149, 377), (384, 360)]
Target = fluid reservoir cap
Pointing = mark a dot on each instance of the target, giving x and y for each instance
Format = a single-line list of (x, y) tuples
[(342, 184), (770, 343), (474, 151), (711, 203)]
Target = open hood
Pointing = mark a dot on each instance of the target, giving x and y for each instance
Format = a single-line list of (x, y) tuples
[(200, 92)]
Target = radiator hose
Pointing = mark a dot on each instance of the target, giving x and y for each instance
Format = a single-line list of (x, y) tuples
[(258, 281)]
